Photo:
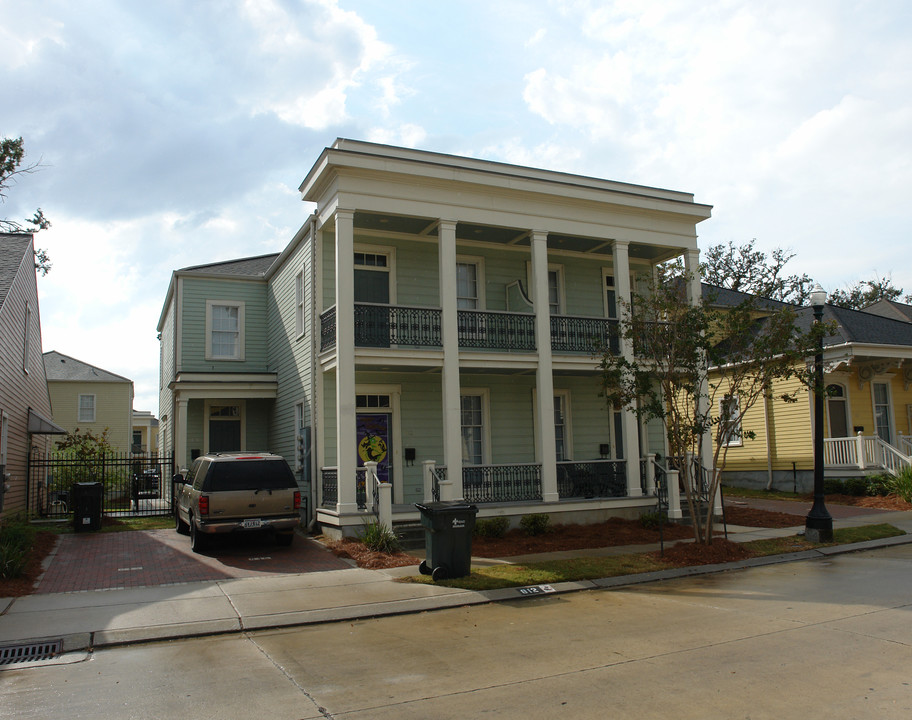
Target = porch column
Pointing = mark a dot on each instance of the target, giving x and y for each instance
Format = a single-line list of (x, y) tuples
[(180, 435), (544, 377), (630, 421), (694, 297), (449, 331), (346, 436)]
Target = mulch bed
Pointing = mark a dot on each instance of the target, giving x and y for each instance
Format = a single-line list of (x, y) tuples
[(17, 587)]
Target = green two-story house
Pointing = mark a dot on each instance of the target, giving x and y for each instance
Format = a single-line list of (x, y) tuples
[(437, 316)]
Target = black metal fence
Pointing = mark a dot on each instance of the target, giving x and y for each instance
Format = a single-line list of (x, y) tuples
[(132, 485), (594, 479), (501, 483)]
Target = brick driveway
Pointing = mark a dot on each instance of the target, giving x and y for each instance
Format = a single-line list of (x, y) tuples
[(106, 561)]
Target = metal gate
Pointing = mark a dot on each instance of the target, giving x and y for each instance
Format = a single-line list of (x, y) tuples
[(133, 485)]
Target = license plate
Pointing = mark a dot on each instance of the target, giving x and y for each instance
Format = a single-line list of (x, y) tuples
[(252, 524)]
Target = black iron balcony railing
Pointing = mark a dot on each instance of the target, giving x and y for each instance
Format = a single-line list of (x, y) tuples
[(583, 334), (330, 483), (594, 479), (496, 330), (501, 483)]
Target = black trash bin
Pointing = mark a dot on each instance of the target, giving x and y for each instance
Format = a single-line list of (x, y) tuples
[(87, 499), (448, 530)]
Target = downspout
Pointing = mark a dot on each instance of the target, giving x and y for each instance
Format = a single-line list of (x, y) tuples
[(314, 337), (769, 441)]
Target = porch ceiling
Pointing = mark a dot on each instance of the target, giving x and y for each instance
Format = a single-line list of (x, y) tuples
[(505, 237)]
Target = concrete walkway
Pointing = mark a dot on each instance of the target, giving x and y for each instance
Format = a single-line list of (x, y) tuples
[(98, 618)]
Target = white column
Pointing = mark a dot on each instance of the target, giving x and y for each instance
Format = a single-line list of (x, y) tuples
[(449, 327), (694, 297), (346, 436), (631, 423), (544, 377), (180, 435)]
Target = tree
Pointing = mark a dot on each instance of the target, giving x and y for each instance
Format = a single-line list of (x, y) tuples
[(746, 269), (87, 452), (12, 153), (867, 292), (699, 368)]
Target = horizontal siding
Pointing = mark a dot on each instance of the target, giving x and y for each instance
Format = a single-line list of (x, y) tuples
[(113, 409), (19, 389), (196, 292)]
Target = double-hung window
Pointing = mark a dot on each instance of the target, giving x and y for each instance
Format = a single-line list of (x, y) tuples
[(466, 286), (86, 408), (299, 304), (472, 421), (224, 330), (730, 418)]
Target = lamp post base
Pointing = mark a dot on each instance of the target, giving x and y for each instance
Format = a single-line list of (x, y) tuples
[(818, 530)]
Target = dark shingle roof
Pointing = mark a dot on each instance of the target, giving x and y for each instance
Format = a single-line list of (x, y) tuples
[(891, 309), (12, 249), (250, 267), (62, 367)]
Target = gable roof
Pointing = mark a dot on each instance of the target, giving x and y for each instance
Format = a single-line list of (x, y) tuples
[(64, 368), (13, 247), (863, 327), (891, 309)]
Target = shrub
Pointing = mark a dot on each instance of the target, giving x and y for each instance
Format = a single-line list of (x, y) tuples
[(653, 519), (494, 527), (902, 484), (832, 486), (379, 538), (16, 539), (879, 485), (857, 487), (536, 524)]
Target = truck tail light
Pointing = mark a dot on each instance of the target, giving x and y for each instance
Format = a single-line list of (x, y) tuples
[(204, 505), (297, 500)]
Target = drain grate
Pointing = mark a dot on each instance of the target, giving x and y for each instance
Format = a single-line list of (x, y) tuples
[(11, 654)]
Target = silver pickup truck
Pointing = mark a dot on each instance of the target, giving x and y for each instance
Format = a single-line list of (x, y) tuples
[(237, 492)]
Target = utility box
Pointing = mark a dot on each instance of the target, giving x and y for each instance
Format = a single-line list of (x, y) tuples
[(448, 528), (87, 501)]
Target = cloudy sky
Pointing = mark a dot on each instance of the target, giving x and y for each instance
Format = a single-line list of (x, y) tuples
[(176, 133)]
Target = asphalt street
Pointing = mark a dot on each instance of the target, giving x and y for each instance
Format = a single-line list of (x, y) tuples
[(828, 637)]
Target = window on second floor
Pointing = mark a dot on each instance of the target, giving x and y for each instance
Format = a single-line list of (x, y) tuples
[(555, 289), (86, 408), (26, 337), (299, 304), (467, 285), (224, 330)]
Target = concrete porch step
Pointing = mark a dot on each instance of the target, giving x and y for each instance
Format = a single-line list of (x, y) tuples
[(411, 535)]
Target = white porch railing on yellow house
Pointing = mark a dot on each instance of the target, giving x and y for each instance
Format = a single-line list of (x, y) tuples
[(864, 453)]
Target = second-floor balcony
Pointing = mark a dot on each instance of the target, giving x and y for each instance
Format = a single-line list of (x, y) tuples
[(404, 326)]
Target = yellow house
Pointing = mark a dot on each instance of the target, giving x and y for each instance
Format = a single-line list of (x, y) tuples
[(85, 397), (868, 408), (145, 432)]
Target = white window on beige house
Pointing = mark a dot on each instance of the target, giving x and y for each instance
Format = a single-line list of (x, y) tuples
[(86, 411)]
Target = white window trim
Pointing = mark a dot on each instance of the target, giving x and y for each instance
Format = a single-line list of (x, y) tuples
[(485, 394), (79, 417), (561, 286), (241, 306), (26, 337), (609, 273), (891, 410), (299, 304), (739, 441), (568, 423), (845, 401), (390, 268), (479, 264), (395, 412)]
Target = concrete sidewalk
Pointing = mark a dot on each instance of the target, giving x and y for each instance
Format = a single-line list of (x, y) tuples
[(112, 617)]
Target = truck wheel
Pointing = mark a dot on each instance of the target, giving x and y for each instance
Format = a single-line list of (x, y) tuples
[(179, 525), (198, 540)]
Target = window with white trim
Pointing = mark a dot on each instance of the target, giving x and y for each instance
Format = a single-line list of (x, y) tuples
[(86, 408), (473, 431), (299, 304), (561, 425), (467, 286), (554, 291), (730, 420), (224, 330), (27, 334)]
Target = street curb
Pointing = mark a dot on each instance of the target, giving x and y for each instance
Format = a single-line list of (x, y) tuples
[(458, 598)]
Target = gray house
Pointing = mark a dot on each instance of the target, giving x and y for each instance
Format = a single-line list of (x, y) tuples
[(431, 326)]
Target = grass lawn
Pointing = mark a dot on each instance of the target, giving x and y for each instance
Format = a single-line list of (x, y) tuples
[(591, 568)]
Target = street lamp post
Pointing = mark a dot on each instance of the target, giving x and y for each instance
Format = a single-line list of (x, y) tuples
[(818, 525)]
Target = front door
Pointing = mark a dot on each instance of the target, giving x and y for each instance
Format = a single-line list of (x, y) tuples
[(224, 428), (372, 280), (882, 411), (374, 442)]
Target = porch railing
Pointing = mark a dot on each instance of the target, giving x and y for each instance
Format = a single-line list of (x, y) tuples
[(496, 330), (502, 483), (329, 479), (862, 452), (583, 334), (593, 479)]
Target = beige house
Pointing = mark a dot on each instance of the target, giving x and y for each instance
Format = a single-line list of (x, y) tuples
[(145, 432), (85, 397)]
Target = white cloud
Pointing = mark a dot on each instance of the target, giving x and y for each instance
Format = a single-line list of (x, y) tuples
[(408, 135)]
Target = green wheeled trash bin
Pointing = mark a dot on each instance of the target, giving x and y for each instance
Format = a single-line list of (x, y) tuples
[(448, 530), (87, 499)]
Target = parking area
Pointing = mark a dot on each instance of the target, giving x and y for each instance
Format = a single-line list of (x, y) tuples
[(107, 561)]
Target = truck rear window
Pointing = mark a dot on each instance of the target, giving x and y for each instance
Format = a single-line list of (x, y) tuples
[(249, 475)]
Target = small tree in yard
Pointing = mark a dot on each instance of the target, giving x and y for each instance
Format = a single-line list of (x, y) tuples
[(750, 347), (87, 453)]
